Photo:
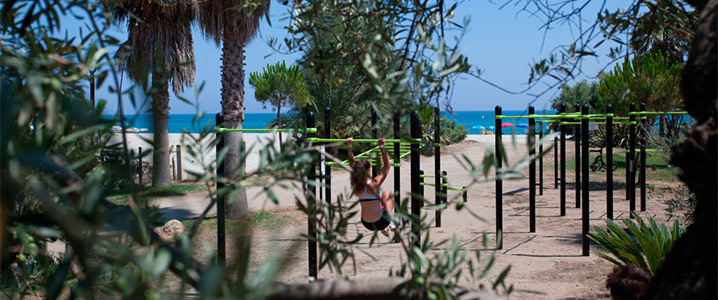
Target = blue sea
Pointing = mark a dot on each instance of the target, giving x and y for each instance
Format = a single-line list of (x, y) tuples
[(474, 121)]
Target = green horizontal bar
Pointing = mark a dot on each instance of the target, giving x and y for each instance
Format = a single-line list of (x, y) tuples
[(331, 163), (658, 113), (535, 116), (649, 150), (308, 130), (599, 123), (455, 188), (426, 183), (432, 176), (402, 141)]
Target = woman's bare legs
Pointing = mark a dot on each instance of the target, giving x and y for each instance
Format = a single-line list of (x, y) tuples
[(387, 201)]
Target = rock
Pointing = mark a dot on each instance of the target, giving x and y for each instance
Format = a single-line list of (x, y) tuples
[(171, 229)]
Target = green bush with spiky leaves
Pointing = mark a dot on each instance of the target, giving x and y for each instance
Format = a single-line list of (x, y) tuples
[(645, 244)]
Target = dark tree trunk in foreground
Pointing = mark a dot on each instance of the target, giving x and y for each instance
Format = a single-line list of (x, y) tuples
[(160, 116), (689, 271)]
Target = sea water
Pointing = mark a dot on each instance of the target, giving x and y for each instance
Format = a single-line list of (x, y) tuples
[(477, 122)]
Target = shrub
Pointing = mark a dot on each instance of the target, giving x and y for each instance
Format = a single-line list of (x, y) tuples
[(646, 248)]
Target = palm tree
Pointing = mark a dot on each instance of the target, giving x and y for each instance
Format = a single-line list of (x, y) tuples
[(233, 23), (159, 40)]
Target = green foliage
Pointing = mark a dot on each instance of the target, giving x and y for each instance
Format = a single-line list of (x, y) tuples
[(280, 86), (387, 56), (650, 78), (582, 92), (646, 247), (451, 132)]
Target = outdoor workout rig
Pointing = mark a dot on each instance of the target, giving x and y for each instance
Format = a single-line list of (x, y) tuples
[(581, 119), (401, 147)]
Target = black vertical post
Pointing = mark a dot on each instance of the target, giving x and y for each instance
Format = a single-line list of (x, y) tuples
[(174, 169), (311, 206), (437, 164), (499, 188), (555, 162), (642, 171), (577, 154), (327, 168), (179, 162), (465, 194), (421, 185), (584, 168), (374, 135), (415, 187), (532, 171), (562, 109), (540, 174), (630, 159), (139, 155), (609, 162), (444, 186), (221, 247), (397, 161)]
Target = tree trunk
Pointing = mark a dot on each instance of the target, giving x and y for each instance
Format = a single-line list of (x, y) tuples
[(161, 141), (689, 271), (279, 124), (233, 111)]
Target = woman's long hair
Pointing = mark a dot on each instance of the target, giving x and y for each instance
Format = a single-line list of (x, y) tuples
[(359, 175)]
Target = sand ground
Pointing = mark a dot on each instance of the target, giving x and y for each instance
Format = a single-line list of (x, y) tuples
[(546, 264)]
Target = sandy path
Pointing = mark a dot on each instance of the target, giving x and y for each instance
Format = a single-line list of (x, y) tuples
[(544, 265)]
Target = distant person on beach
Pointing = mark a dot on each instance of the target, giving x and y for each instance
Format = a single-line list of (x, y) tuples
[(376, 206)]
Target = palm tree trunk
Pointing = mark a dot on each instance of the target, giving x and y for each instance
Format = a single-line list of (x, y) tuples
[(233, 110), (160, 116)]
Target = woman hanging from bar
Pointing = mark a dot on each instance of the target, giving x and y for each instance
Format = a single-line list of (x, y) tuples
[(376, 206)]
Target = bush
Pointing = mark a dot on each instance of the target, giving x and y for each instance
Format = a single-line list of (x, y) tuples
[(451, 132), (646, 248)]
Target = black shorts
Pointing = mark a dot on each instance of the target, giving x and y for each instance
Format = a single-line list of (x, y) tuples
[(380, 224)]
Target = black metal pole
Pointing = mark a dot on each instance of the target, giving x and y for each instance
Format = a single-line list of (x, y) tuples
[(139, 171), (415, 187), (397, 162), (437, 163), (465, 194), (540, 174), (374, 135), (221, 242), (562, 109), (584, 168), (532, 171), (609, 162), (311, 206), (421, 185), (499, 188), (555, 162), (444, 186), (179, 162), (644, 140), (630, 160), (327, 168), (577, 155)]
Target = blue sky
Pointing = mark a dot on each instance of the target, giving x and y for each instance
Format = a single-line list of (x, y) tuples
[(501, 42)]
